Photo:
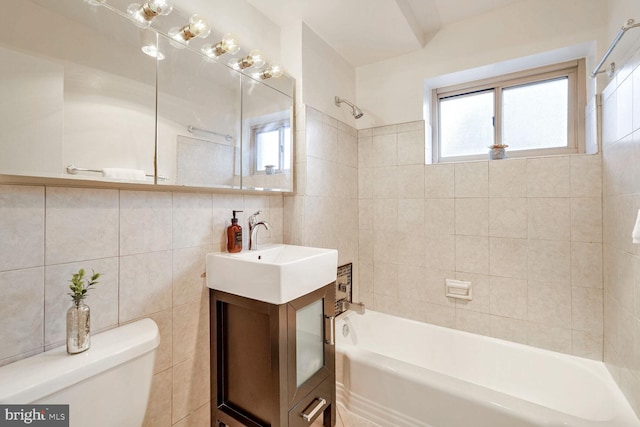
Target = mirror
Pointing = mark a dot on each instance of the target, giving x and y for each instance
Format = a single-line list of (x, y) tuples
[(80, 100), (67, 99), (266, 138), (199, 114)]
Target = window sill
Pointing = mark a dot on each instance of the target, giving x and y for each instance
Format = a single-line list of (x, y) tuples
[(519, 154)]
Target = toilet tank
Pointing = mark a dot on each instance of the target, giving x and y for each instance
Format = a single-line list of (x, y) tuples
[(105, 386)]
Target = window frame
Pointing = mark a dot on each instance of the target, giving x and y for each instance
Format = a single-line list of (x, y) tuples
[(574, 70)]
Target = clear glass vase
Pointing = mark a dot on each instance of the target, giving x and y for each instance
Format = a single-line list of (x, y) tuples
[(78, 328), (497, 153)]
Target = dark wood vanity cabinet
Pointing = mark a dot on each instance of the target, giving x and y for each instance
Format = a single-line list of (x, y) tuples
[(273, 365)]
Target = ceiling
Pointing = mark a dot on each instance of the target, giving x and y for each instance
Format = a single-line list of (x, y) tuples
[(368, 31)]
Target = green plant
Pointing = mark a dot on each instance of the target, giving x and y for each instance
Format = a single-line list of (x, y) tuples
[(80, 286)]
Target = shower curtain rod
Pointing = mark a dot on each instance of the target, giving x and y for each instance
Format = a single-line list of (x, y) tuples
[(627, 26)]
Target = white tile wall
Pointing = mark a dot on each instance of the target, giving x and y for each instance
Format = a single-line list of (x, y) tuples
[(21, 227), (438, 181), (150, 248), (325, 210), (549, 177), (22, 317), (82, 224), (192, 218), (621, 261), (145, 282), (145, 222), (508, 217), (506, 179), (471, 179), (526, 232)]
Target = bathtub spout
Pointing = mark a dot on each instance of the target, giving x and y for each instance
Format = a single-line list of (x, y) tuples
[(358, 307)]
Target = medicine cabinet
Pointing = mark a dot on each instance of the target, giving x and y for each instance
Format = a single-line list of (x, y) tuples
[(81, 100)]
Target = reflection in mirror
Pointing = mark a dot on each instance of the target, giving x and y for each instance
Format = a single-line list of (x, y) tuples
[(267, 159), (198, 120), (66, 97), (88, 94)]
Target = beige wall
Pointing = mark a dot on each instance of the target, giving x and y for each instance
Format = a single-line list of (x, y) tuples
[(526, 232), (326, 74), (150, 248), (391, 91), (621, 189)]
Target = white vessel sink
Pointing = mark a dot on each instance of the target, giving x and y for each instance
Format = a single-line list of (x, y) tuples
[(275, 273)]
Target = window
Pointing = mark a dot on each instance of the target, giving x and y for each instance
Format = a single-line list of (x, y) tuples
[(536, 112), (271, 146)]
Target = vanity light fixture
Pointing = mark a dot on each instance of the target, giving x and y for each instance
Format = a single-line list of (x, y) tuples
[(197, 27), (273, 71), (229, 44), (143, 14), (254, 59)]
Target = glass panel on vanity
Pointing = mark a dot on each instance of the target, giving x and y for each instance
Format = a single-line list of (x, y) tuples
[(309, 341)]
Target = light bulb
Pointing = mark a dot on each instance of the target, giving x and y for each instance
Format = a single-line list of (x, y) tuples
[(231, 43), (254, 59), (135, 10), (273, 71), (276, 71), (228, 44), (143, 14), (160, 7), (197, 27), (257, 57)]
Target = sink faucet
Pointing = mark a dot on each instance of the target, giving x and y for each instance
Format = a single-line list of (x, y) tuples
[(253, 230)]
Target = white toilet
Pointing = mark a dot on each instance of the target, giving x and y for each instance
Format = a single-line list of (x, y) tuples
[(106, 386)]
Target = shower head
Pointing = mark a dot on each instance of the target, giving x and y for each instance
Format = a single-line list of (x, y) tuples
[(357, 112)]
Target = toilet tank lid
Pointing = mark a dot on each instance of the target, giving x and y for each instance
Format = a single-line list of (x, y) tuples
[(28, 380)]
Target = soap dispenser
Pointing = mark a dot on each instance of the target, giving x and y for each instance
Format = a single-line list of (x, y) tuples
[(234, 235)]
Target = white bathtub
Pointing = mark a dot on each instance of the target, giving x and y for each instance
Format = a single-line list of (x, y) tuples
[(400, 373)]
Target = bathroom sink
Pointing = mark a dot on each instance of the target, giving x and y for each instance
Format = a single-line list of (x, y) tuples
[(275, 273)]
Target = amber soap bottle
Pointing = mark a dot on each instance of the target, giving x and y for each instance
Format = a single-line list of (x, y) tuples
[(234, 235)]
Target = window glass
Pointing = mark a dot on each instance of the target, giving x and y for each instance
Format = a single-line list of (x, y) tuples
[(466, 124), (267, 149), (535, 115), (272, 147)]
